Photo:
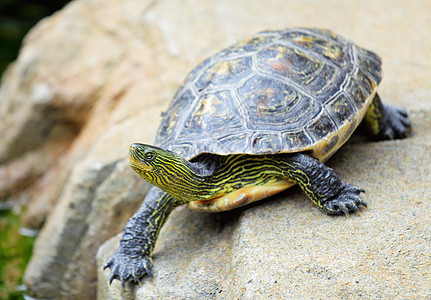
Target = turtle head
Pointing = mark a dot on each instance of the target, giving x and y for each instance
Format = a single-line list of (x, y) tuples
[(144, 158), (149, 161), (162, 168)]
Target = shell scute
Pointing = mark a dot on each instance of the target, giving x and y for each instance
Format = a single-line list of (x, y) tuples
[(340, 109), (267, 101), (270, 103), (330, 47), (267, 142), (171, 120), (370, 63), (310, 74), (224, 73), (212, 114), (248, 45), (321, 126), (366, 82), (354, 89), (230, 142), (297, 140), (278, 91)]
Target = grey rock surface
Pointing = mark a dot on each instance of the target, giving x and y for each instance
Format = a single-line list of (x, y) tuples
[(285, 248), (94, 77)]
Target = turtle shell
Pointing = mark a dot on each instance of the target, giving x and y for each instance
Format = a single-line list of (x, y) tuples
[(276, 92)]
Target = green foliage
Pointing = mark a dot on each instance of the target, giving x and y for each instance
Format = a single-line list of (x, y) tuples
[(15, 252)]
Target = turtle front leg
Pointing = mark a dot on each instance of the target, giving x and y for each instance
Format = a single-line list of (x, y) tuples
[(322, 185), (386, 122), (132, 259)]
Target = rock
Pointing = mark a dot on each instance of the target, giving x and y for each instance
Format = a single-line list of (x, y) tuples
[(94, 77), (96, 84), (285, 248)]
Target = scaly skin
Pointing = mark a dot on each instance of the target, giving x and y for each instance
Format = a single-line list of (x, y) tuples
[(323, 186), (207, 179), (133, 257), (178, 181), (386, 122)]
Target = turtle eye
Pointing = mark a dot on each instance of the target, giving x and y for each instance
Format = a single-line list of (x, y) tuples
[(150, 155)]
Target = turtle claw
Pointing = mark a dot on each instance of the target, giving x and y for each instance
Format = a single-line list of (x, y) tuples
[(356, 209), (397, 123), (125, 267), (348, 199), (345, 211)]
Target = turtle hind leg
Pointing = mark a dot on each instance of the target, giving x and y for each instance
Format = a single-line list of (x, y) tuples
[(322, 185), (386, 122)]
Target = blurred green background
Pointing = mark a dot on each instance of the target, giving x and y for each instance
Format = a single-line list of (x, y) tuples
[(16, 19), (15, 252)]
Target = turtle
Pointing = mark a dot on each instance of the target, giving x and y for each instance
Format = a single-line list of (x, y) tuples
[(251, 121)]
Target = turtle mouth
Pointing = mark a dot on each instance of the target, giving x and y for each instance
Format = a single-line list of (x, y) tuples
[(136, 163)]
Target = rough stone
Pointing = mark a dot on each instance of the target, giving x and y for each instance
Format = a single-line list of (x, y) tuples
[(94, 77), (285, 248)]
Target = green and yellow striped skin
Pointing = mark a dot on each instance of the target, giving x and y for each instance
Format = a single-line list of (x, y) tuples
[(236, 179), (247, 177), (251, 121), (213, 177)]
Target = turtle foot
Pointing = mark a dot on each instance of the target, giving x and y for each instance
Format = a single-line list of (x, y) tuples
[(397, 123), (125, 267), (348, 199)]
